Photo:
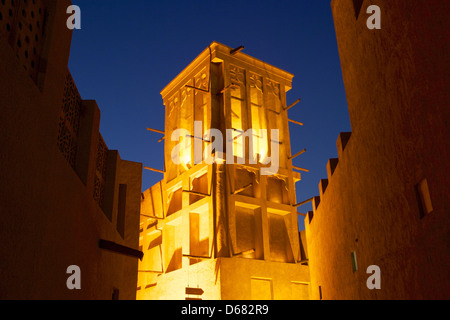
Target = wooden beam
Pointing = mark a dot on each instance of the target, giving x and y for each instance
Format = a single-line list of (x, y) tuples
[(196, 257), (296, 122), (197, 193), (154, 170), (297, 154), (277, 113), (300, 169), (195, 88), (228, 87), (238, 49), (117, 248), (198, 138), (243, 189), (155, 130), (304, 202), (293, 105)]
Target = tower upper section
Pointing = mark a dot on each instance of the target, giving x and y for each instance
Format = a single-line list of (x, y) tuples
[(227, 90)]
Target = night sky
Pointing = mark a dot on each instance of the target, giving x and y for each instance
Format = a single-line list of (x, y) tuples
[(128, 51)]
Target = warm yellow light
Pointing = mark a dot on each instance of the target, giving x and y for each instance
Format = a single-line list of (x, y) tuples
[(185, 154), (186, 161), (263, 154)]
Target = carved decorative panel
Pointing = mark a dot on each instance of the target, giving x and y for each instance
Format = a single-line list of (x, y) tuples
[(256, 82), (67, 143), (274, 96), (100, 171), (237, 75), (23, 24), (69, 121), (202, 82), (8, 9)]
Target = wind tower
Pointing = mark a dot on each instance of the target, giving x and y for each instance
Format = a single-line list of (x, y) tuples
[(224, 229)]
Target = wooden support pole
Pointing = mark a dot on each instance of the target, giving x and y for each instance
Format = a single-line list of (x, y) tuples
[(197, 193), (154, 170), (296, 122), (243, 189), (228, 87), (293, 105), (198, 138), (238, 49), (300, 169), (195, 88), (117, 248), (196, 257), (238, 136), (304, 202), (297, 154), (277, 113), (155, 130)]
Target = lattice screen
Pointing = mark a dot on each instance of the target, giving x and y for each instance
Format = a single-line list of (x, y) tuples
[(22, 23), (69, 121), (100, 174), (8, 9)]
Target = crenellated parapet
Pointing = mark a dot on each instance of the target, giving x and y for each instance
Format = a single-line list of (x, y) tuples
[(332, 166)]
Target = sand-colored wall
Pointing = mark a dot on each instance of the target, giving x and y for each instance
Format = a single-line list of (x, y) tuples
[(397, 83), (48, 216)]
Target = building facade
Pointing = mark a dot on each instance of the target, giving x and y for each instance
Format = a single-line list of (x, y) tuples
[(224, 230), (65, 198), (386, 201)]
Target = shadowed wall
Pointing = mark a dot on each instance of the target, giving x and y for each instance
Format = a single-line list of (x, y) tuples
[(386, 197)]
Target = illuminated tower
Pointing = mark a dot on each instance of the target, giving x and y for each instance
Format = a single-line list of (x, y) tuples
[(228, 229)]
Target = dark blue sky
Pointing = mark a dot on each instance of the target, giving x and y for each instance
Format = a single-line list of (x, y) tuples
[(128, 51)]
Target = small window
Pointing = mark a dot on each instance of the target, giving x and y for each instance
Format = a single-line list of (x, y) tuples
[(354, 262), (424, 198)]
